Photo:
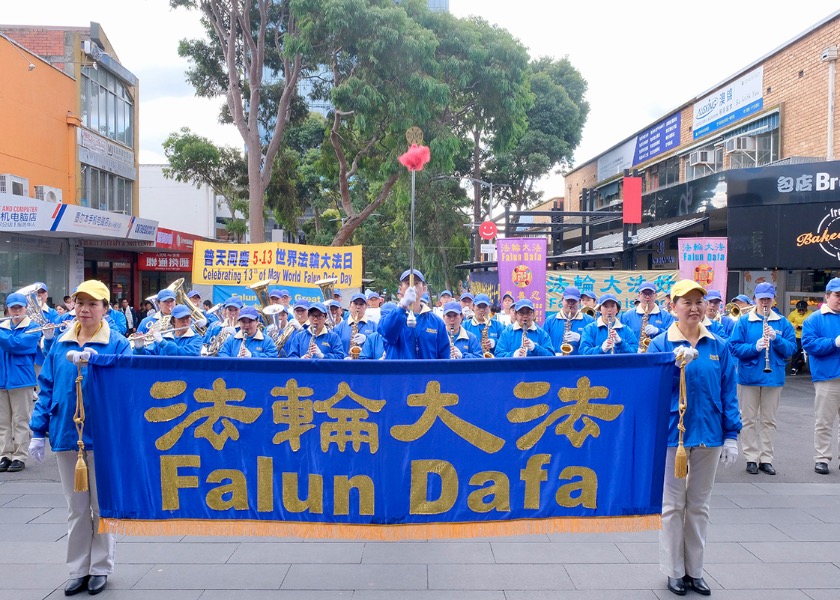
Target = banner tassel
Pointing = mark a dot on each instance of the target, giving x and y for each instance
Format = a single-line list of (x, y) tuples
[(681, 458), (80, 479)]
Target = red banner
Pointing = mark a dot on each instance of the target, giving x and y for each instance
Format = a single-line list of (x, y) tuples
[(164, 261), (632, 200)]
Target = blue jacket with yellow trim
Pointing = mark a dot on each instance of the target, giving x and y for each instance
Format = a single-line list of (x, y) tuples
[(555, 327), (328, 341), (188, 344), (712, 414), (17, 354), (468, 344), (345, 328), (259, 346), (494, 333), (56, 403), (657, 317), (511, 341), (373, 348), (818, 334), (428, 340), (595, 334), (747, 332)]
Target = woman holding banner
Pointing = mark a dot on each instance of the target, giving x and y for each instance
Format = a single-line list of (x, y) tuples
[(711, 421), (90, 554)]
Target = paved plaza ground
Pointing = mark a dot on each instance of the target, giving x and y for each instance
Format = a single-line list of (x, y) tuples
[(771, 538)]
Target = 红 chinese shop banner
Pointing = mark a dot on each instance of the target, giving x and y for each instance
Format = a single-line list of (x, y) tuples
[(624, 284), (216, 263), (521, 263), (365, 449), (704, 259)]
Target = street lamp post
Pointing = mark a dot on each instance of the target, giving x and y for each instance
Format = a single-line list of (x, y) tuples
[(476, 245)]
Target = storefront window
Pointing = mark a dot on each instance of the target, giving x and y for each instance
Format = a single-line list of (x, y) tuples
[(27, 259)]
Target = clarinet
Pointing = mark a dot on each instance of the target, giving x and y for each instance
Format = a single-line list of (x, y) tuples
[(767, 368)]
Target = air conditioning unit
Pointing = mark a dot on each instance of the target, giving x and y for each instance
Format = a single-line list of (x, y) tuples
[(48, 194), (14, 184), (701, 157), (742, 143)]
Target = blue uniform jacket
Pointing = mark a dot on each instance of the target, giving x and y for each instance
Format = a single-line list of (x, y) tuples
[(818, 334), (51, 316), (511, 341), (494, 333), (428, 340), (374, 347), (595, 334), (119, 321), (188, 344), (712, 413), (468, 344), (344, 329), (747, 332), (56, 403), (657, 317), (328, 341), (17, 354), (555, 327), (259, 345)]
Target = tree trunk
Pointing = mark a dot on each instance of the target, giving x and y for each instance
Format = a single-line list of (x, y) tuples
[(476, 173), (256, 193), (352, 223)]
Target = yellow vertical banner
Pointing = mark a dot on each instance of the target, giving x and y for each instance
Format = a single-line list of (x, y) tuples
[(299, 265)]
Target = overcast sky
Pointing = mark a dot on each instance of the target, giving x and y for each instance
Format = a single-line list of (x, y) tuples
[(641, 60)]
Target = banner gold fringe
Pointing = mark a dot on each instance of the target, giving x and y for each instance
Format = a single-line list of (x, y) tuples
[(381, 533)]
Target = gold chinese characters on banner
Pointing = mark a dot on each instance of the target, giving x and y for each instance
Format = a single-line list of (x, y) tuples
[(299, 265)]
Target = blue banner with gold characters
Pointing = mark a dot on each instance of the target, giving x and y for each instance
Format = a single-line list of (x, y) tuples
[(375, 450)]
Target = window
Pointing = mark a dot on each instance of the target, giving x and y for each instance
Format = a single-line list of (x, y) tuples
[(105, 191), (766, 151), (703, 161), (107, 106)]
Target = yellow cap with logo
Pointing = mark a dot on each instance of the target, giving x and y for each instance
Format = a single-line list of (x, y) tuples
[(95, 289)]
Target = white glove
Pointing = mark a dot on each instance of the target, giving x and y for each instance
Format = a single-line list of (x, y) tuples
[(606, 345), (296, 324), (530, 345), (77, 357), (228, 330), (520, 353), (139, 342), (492, 342), (359, 339), (348, 358), (36, 449), (837, 341), (456, 353), (771, 333), (651, 330), (729, 453), (49, 333), (761, 344), (245, 353), (686, 353), (571, 337), (409, 298), (318, 353), (157, 336), (200, 323)]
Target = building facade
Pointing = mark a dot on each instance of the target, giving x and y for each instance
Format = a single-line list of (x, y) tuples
[(751, 159)]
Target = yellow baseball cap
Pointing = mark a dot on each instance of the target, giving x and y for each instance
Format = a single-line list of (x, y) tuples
[(681, 288), (95, 289)]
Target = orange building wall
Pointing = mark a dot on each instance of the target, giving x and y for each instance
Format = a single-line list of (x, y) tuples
[(36, 140), (802, 103)]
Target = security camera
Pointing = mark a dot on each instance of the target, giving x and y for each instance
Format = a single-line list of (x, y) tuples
[(31, 67)]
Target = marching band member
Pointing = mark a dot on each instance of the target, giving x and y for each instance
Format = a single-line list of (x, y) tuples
[(588, 299), (49, 314), (166, 302), (300, 321), (761, 340), (482, 319), (504, 316), (374, 303), (17, 379), (525, 337), (195, 298), (286, 298), (374, 346), (566, 326), (711, 431), (274, 296), (181, 341), (467, 304), (357, 320), (90, 554), (713, 313), (462, 343), (608, 335), (318, 341), (249, 341), (117, 320), (230, 322), (427, 339), (444, 298), (821, 340), (797, 318), (715, 327), (656, 320), (336, 312)]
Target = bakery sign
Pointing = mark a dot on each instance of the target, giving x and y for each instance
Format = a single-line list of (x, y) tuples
[(826, 236)]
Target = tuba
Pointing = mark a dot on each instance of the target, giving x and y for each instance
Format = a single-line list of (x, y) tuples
[(278, 336), (33, 307), (327, 287), (261, 290), (588, 310), (177, 288)]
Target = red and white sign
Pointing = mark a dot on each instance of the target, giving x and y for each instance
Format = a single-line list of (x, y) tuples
[(175, 240), (488, 230), (164, 261)]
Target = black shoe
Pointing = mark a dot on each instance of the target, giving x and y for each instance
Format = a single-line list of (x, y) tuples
[(74, 586), (96, 584), (4, 464), (794, 371), (676, 585), (698, 584), (17, 465), (752, 468), (821, 468), (767, 468)]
